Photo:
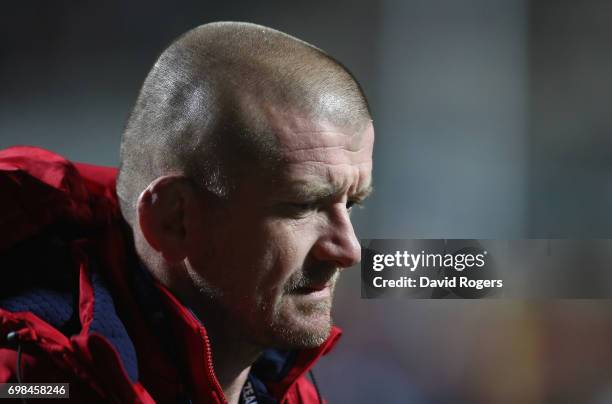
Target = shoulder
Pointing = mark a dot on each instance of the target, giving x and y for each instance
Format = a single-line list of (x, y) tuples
[(46, 189), (304, 391), (54, 305)]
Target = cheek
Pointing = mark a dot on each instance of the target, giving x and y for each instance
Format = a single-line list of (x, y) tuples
[(218, 253), (251, 261), (289, 243), (279, 258)]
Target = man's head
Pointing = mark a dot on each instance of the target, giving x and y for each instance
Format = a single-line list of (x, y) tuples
[(241, 159)]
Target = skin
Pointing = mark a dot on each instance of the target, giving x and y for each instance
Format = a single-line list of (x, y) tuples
[(260, 269)]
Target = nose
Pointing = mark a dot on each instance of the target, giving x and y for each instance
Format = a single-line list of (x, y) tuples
[(338, 243)]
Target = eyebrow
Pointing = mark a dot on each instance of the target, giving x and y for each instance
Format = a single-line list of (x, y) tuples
[(319, 191)]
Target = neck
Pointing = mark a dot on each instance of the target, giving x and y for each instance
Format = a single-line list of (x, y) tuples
[(232, 362), (232, 354)]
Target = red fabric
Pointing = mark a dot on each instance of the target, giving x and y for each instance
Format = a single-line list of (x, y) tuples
[(41, 189)]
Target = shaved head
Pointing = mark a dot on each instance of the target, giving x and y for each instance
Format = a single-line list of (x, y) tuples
[(203, 110)]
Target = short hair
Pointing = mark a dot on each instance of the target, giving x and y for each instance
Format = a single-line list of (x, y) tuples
[(187, 119)]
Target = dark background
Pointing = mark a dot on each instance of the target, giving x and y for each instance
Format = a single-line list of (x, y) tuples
[(492, 119)]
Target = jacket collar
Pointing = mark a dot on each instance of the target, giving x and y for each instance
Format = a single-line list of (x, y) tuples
[(195, 352)]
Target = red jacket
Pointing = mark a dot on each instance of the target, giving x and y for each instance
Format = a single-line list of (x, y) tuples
[(61, 221)]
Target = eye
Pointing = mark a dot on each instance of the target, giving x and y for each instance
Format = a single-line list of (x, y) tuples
[(350, 204), (297, 209), (302, 206)]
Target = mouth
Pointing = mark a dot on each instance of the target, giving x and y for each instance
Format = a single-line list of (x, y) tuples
[(311, 289), (314, 292), (319, 285)]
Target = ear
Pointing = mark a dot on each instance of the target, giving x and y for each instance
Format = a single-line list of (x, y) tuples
[(163, 216)]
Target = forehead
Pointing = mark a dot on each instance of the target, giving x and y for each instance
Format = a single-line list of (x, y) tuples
[(295, 131), (317, 152)]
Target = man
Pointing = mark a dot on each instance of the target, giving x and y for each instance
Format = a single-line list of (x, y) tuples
[(240, 162)]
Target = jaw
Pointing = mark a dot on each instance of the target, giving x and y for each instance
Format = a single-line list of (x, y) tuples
[(302, 320)]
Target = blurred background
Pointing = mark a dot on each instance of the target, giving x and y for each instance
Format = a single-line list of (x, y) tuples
[(493, 121)]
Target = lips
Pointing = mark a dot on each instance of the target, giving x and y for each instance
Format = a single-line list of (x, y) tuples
[(311, 288), (312, 281)]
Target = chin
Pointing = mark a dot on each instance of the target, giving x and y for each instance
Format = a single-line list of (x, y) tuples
[(301, 333)]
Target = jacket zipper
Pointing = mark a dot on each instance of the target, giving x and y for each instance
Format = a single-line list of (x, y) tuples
[(211, 371)]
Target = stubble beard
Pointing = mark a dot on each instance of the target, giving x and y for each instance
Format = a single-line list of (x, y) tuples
[(300, 324), (293, 323)]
